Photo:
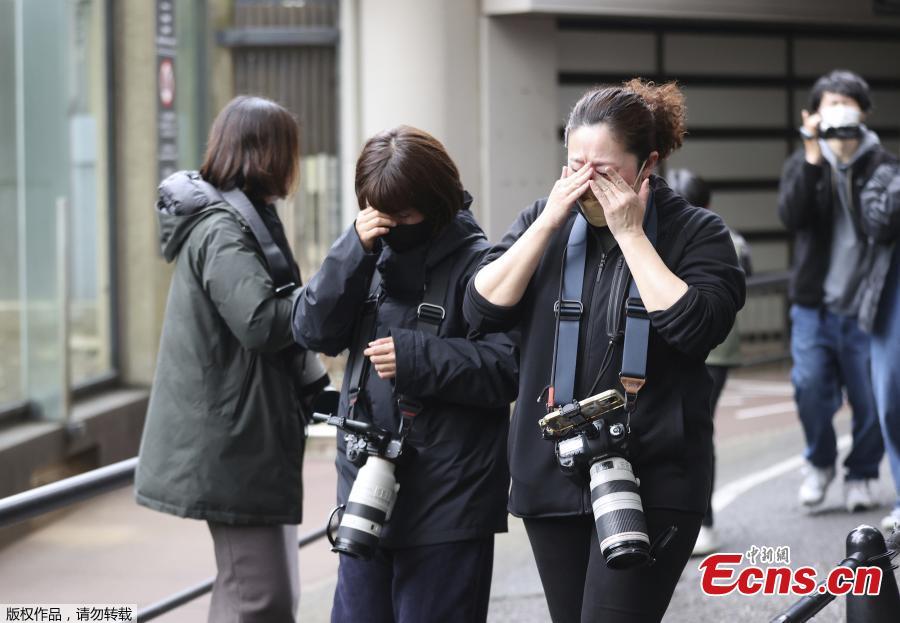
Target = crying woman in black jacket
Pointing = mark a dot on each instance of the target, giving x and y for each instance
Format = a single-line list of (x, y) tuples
[(691, 285), (415, 234)]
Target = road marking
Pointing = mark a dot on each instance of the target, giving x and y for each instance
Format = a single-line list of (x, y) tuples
[(772, 409), (730, 400), (762, 387), (724, 496)]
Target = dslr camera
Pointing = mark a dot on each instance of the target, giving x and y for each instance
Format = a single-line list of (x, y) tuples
[(592, 436), (371, 501)]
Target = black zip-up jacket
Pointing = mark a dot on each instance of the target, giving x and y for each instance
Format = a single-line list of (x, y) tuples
[(672, 424), (806, 207), (453, 476)]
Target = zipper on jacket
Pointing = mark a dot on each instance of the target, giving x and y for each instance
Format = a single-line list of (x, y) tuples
[(600, 268), (614, 311), (589, 334), (590, 329)]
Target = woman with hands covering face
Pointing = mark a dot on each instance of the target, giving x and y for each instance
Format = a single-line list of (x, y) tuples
[(691, 285), (414, 221)]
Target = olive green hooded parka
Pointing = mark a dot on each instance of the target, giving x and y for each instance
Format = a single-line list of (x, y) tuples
[(223, 439)]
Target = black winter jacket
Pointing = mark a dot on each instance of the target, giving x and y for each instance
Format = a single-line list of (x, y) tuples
[(881, 223), (673, 422), (453, 476), (806, 207)]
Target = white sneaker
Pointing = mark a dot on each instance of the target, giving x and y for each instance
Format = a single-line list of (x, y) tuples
[(812, 491), (858, 495), (891, 523), (707, 541)]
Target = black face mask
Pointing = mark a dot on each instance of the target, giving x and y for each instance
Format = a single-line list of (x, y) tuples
[(402, 238)]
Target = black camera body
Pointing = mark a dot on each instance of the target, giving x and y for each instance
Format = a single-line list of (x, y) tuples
[(360, 444), (592, 439), (600, 438), (374, 492)]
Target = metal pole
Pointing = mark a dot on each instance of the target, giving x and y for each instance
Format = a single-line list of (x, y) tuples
[(62, 281), (28, 504)]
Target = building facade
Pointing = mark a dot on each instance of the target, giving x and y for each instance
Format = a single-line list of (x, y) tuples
[(86, 130)]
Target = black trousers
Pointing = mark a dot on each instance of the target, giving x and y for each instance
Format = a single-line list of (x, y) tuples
[(444, 583), (578, 585), (719, 375)]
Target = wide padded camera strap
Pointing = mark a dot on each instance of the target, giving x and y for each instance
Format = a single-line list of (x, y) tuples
[(569, 310), (637, 327)]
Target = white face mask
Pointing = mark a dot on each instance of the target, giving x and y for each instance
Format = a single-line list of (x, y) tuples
[(839, 116)]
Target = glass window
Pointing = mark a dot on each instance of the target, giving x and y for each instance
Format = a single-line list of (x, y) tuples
[(55, 301), (10, 360)]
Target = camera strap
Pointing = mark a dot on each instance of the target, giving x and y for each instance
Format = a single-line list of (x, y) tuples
[(637, 327), (430, 315), (569, 310), (358, 364), (279, 268)]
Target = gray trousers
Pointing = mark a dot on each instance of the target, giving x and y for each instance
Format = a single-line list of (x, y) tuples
[(258, 579)]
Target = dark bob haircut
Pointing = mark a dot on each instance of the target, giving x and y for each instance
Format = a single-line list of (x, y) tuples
[(842, 82), (254, 145), (690, 186), (405, 168)]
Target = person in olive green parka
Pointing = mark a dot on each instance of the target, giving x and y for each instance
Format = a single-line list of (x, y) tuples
[(224, 434)]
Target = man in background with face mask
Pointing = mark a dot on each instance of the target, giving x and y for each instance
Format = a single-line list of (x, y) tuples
[(820, 203)]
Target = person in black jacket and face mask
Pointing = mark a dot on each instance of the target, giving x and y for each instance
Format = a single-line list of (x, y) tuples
[(414, 223), (692, 287)]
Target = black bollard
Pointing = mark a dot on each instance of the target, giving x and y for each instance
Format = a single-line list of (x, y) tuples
[(867, 543), (865, 548)]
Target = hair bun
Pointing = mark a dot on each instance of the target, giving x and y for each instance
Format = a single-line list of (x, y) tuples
[(666, 102)]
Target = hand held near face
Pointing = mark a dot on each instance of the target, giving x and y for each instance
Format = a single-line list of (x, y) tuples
[(592, 210)]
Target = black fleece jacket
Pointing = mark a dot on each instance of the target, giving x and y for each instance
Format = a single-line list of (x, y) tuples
[(673, 423)]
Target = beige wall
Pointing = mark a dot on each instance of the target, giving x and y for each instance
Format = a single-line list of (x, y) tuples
[(221, 72), (521, 156), (416, 63), (477, 84), (142, 277)]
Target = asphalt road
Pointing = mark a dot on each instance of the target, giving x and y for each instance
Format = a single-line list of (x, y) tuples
[(111, 551)]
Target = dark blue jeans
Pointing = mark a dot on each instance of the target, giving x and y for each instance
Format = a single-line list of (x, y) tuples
[(831, 354), (886, 367), (444, 583)]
